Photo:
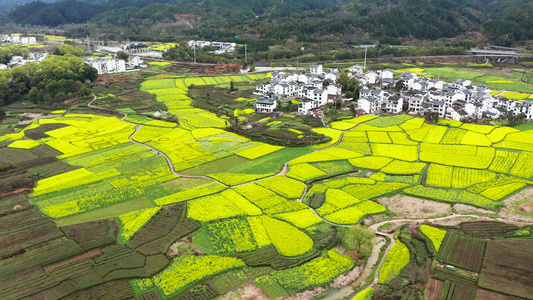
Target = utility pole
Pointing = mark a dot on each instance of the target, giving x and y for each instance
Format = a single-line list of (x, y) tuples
[(194, 48), (366, 49), (245, 53), (89, 45)]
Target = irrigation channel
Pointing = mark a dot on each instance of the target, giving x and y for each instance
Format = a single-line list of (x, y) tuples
[(334, 294)]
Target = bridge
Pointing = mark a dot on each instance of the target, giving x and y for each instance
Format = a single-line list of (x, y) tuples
[(494, 56)]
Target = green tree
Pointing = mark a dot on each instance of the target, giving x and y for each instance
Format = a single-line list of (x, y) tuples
[(358, 239), (123, 55)]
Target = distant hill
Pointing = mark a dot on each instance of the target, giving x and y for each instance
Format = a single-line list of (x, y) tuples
[(504, 21)]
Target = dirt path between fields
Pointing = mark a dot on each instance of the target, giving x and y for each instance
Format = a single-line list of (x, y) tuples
[(154, 150), (452, 219)]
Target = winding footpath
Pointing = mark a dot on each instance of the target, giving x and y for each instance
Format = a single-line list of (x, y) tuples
[(376, 250), (154, 150)]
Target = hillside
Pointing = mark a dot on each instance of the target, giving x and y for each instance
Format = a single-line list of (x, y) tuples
[(502, 21)]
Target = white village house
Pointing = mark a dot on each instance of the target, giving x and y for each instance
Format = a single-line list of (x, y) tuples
[(313, 89), (459, 100)]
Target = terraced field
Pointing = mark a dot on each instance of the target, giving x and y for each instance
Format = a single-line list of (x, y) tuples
[(245, 205)]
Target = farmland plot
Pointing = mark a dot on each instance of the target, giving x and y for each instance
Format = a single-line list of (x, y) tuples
[(462, 251), (507, 268)]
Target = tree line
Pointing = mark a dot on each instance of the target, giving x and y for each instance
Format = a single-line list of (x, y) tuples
[(55, 79)]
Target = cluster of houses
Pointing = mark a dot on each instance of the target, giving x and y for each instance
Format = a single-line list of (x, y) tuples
[(416, 95), (458, 101), (17, 39), (312, 89), (134, 47), (19, 61), (222, 47), (114, 65)]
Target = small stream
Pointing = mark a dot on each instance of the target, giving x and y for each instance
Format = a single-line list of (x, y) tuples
[(344, 292)]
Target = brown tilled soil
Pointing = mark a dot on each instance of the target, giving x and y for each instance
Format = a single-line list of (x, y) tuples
[(347, 278), (511, 209), (306, 295), (105, 78), (457, 220), (219, 69), (435, 286), (409, 207), (468, 209), (488, 295), (247, 292), (89, 254), (22, 191)]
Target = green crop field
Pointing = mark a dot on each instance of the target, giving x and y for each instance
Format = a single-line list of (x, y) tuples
[(462, 251), (166, 210), (505, 263)]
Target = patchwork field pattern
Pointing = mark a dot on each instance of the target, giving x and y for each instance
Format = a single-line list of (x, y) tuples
[(242, 203)]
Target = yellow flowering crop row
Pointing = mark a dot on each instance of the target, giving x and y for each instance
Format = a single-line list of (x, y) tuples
[(457, 155), (401, 152), (367, 127), (70, 179), (89, 199), (485, 129), (234, 179), (502, 180), (354, 214), (454, 136), (379, 137), (476, 139), (523, 166), (302, 218), (353, 144), (411, 124), (284, 186), (439, 175), (304, 171), (258, 151), (319, 271), (326, 155), (342, 125), (332, 133), (259, 231), (253, 191), (451, 196), (230, 235), (142, 286), (24, 144), (288, 240), (186, 270), (397, 258), (504, 161), (500, 133), (219, 206), (402, 167), (370, 191), (513, 95), (428, 133), (370, 162), (188, 194), (463, 177), (133, 221), (336, 200), (434, 234), (499, 192), (366, 294), (159, 123), (400, 138)]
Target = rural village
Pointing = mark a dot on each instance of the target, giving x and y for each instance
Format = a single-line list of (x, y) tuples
[(132, 170)]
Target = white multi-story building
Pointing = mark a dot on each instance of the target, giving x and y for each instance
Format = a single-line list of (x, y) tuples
[(266, 104), (308, 87)]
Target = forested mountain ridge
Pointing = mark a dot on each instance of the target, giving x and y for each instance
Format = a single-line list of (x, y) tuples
[(503, 21)]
